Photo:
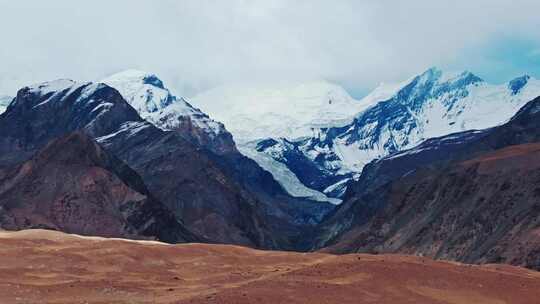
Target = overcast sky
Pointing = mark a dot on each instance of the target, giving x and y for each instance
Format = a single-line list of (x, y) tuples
[(194, 45)]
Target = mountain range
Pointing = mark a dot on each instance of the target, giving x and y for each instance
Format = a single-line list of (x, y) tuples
[(469, 196), (317, 136), (427, 166)]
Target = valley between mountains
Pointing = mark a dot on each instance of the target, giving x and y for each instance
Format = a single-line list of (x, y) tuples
[(350, 198)]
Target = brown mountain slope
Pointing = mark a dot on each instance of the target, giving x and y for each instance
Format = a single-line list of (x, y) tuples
[(73, 185), (482, 210), (50, 267)]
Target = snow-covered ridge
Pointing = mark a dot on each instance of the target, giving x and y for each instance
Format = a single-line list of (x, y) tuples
[(147, 94), (291, 111), (48, 91), (432, 104), (54, 86), (143, 91)]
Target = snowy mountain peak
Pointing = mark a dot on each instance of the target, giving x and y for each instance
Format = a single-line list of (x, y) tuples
[(431, 73), (436, 75), (143, 91), (433, 84), (154, 102), (137, 76), (397, 117), (290, 111)]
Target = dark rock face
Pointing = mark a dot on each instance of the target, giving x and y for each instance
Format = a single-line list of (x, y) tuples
[(468, 196), (73, 185), (288, 219), (189, 183), (517, 84), (37, 116)]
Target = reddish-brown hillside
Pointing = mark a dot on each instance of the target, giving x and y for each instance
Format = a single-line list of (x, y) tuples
[(50, 267)]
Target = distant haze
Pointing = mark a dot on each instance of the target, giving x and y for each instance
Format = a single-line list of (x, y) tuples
[(195, 45)]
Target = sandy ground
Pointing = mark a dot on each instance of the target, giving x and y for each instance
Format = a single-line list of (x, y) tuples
[(39, 266)]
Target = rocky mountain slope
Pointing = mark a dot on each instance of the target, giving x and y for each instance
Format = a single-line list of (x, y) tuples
[(470, 197), (392, 118), (220, 195), (73, 185), (147, 93), (188, 182)]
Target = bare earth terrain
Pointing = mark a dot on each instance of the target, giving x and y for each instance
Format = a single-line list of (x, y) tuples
[(38, 266)]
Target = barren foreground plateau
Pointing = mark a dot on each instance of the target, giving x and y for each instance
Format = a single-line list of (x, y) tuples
[(38, 266)]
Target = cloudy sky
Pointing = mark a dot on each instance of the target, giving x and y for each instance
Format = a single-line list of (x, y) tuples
[(195, 45)]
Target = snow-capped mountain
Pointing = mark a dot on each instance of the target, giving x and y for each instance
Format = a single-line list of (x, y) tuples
[(286, 112), (392, 118), (176, 172), (4, 102), (430, 105), (154, 102), (292, 111)]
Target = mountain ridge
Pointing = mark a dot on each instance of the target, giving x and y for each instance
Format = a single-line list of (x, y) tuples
[(431, 104), (469, 196)]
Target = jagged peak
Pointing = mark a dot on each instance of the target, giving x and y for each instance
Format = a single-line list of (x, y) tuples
[(515, 85), (430, 75), (438, 75), (432, 71)]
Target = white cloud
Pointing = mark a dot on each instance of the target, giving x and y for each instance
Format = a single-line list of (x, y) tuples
[(197, 44)]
